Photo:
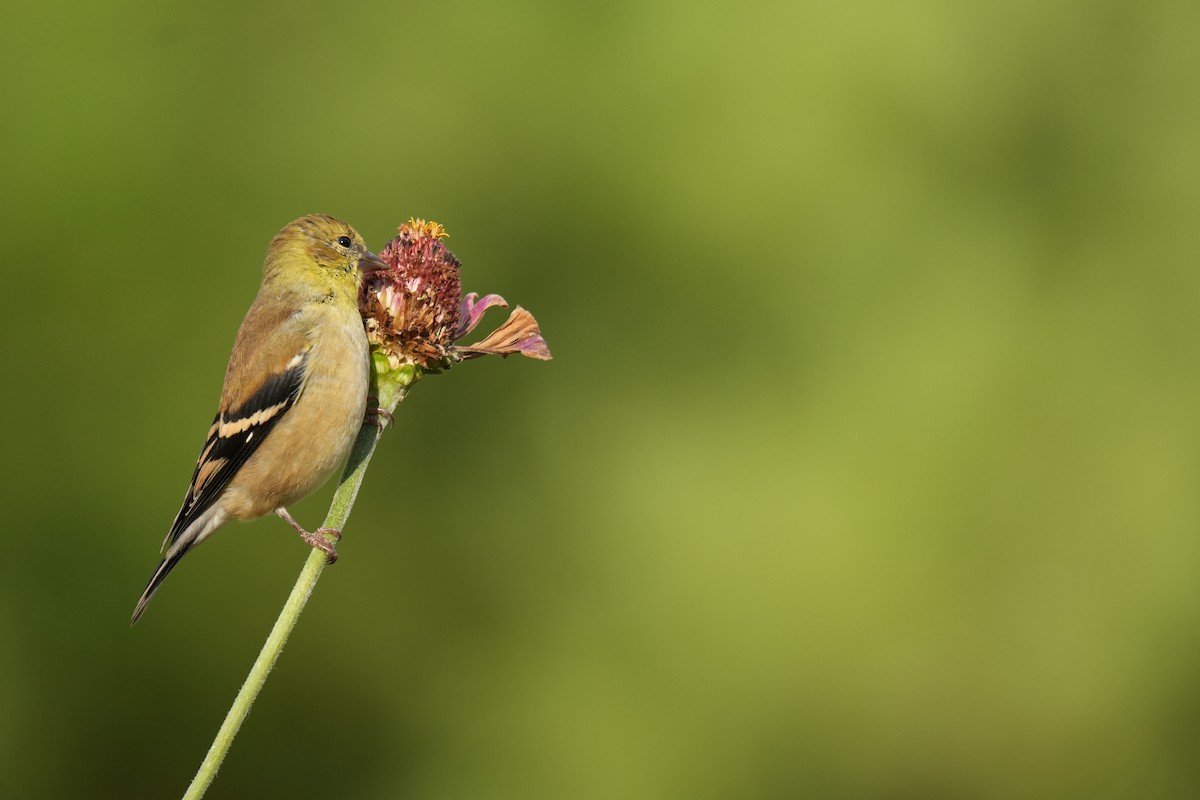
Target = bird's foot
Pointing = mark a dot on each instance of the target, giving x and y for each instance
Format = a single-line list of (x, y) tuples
[(379, 417), (317, 538)]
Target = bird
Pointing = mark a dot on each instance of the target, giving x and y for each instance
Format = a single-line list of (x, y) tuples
[(295, 392)]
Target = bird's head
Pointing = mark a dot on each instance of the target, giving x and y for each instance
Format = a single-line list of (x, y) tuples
[(321, 245)]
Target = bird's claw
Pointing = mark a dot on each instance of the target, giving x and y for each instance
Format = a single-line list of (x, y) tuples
[(379, 417), (319, 540)]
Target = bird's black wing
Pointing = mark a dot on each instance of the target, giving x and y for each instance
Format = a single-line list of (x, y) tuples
[(234, 436)]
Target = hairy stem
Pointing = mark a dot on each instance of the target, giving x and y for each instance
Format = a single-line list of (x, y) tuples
[(389, 390)]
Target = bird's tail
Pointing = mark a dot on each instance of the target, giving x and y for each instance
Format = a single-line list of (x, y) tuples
[(164, 568), (191, 536)]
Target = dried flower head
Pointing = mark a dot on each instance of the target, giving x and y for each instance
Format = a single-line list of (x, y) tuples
[(415, 312)]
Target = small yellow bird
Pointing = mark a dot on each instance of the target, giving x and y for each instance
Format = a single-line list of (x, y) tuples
[(295, 391)]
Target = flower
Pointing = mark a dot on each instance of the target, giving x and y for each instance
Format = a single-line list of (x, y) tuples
[(414, 311)]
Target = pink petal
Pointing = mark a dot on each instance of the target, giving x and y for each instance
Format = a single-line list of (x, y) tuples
[(519, 334), (472, 310)]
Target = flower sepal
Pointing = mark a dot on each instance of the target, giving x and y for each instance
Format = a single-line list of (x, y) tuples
[(389, 382)]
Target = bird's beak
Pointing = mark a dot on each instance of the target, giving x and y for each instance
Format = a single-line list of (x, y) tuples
[(369, 262)]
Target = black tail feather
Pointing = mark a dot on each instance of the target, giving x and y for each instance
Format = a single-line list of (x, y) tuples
[(164, 568)]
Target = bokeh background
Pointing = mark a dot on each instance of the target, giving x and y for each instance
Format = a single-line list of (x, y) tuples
[(867, 465)]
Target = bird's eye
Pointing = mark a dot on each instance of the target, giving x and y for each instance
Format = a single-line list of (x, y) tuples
[(344, 241)]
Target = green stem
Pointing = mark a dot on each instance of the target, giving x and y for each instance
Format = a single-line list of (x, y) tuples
[(389, 392)]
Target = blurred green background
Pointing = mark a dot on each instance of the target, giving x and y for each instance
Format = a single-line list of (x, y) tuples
[(866, 467)]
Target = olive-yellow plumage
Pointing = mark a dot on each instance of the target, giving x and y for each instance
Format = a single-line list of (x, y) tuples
[(295, 390)]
